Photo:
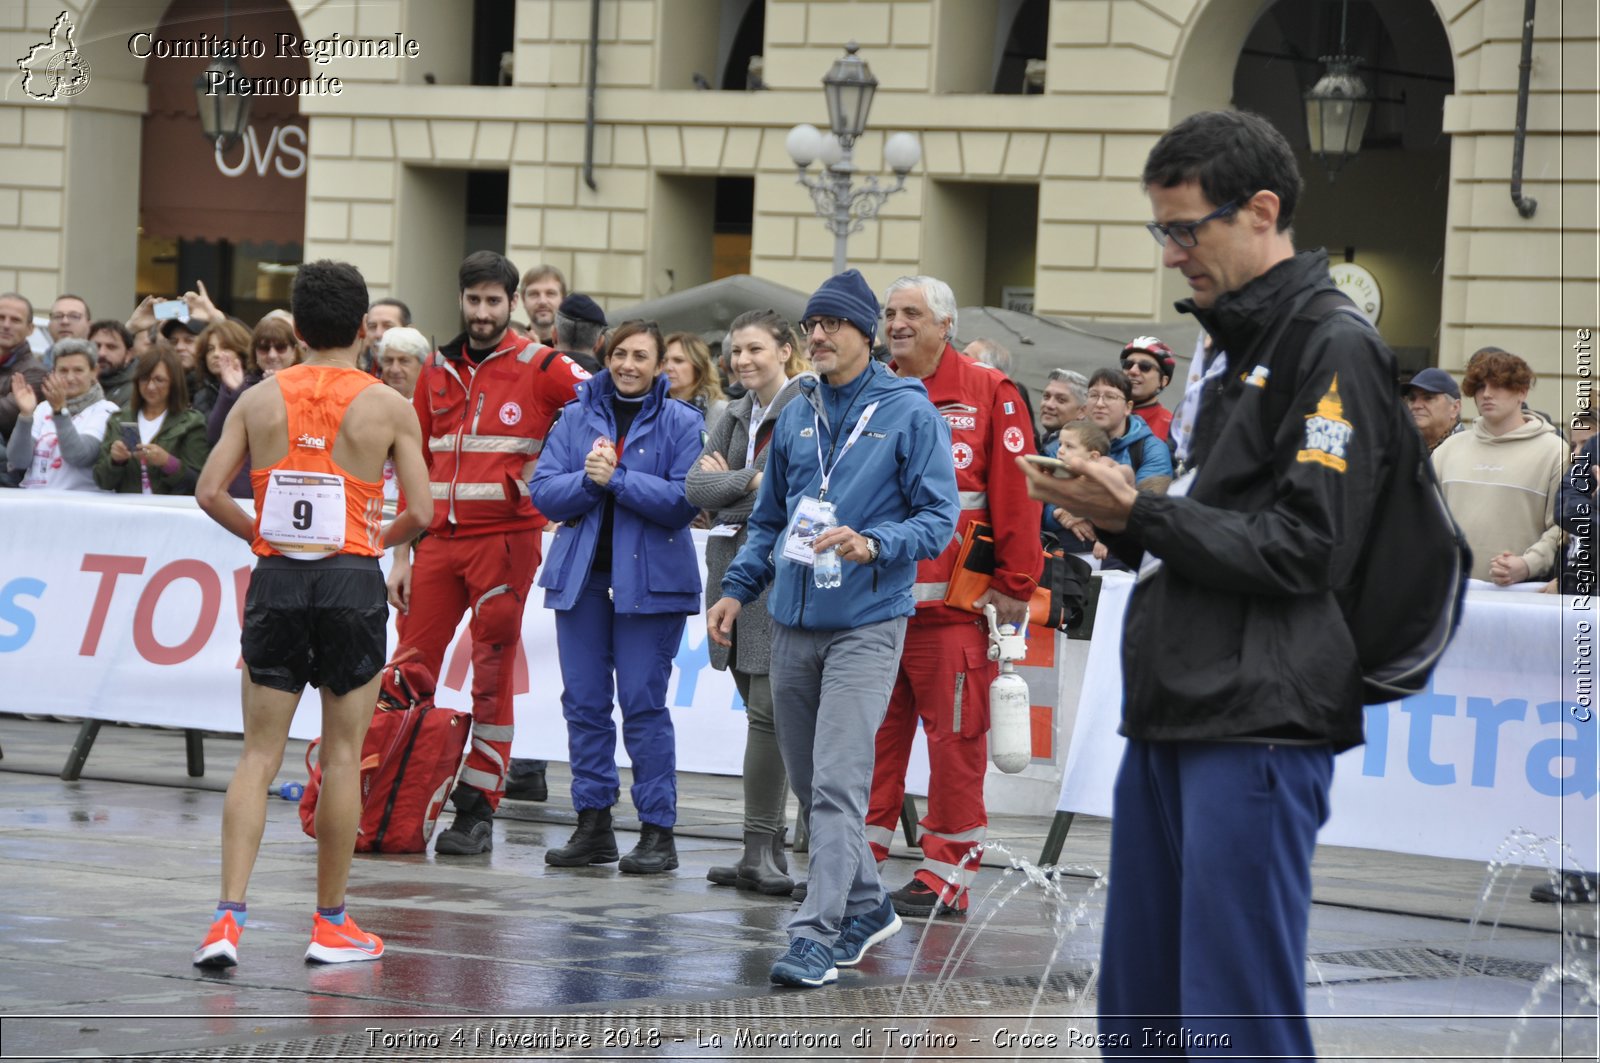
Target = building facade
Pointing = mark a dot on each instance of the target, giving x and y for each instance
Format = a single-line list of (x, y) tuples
[(1034, 116)]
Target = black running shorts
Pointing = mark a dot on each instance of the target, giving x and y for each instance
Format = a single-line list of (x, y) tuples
[(320, 622)]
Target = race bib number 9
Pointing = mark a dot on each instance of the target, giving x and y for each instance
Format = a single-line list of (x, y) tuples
[(302, 514)]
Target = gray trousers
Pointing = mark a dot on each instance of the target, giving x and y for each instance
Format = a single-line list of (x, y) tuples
[(766, 784), (830, 690)]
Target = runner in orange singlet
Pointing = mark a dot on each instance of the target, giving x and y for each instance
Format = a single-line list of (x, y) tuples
[(316, 435)]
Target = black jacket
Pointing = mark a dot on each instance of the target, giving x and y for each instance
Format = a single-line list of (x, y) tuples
[(1238, 634)]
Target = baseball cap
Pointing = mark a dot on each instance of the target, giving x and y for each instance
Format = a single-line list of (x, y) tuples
[(579, 307), (1436, 381)]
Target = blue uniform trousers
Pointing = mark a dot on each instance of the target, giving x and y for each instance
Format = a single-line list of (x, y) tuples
[(1209, 899), (595, 643)]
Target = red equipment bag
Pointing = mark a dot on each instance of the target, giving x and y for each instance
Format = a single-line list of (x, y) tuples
[(409, 762)]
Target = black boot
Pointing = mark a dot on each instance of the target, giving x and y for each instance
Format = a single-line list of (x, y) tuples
[(526, 781), (592, 843), (472, 832), (764, 868), (654, 854)]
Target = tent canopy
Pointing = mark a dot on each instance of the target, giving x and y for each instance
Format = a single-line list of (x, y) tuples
[(1037, 344), (1040, 344), (708, 309)]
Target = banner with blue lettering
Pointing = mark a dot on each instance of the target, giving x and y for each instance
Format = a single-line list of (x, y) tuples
[(1505, 740), (140, 601)]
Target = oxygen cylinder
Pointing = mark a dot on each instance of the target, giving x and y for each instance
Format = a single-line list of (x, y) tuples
[(1010, 722), (1010, 725)]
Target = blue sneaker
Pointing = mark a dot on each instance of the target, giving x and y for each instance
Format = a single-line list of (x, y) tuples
[(807, 963), (861, 932)]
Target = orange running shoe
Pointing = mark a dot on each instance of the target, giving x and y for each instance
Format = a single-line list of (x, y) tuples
[(221, 946), (341, 942)]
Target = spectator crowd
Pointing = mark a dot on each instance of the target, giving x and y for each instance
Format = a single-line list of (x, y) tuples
[(859, 435)]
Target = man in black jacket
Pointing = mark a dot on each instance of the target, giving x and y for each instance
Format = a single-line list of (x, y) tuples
[(1233, 729)]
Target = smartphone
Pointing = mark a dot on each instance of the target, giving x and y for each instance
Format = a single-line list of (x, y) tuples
[(170, 309), (1054, 466), (130, 436)]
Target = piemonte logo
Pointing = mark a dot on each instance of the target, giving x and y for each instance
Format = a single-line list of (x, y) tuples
[(55, 69)]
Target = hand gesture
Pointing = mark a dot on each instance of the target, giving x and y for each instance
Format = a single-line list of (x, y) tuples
[(55, 392), (720, 618), (230, 372), (1507, 568), (399, 581), (1007, 610), (144, 315), (153, 455), (201, 307), (851, 544), (601, 463), (22, 391)]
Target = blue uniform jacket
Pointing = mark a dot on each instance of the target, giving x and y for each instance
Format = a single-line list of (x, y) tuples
[(897, 484), (653, 566)]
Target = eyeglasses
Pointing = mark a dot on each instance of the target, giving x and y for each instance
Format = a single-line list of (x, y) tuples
[(830, 325), (1182, 233), (1106, 398), (274, 347), (1131, 364), (69, 316)]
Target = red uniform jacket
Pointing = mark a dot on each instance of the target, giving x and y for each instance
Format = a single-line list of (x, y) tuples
[(483, 425), (989, 428)]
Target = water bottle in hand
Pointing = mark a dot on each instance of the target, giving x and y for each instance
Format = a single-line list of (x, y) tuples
[(827, 571)]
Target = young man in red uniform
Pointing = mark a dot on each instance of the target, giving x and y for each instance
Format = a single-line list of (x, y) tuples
[(316, 435), (486, 401), (945, 670)]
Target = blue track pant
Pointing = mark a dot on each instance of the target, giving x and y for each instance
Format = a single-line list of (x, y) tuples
[(1210, 895), (610, 659)]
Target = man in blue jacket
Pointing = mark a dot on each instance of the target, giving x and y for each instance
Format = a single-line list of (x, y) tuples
[(873, 445)]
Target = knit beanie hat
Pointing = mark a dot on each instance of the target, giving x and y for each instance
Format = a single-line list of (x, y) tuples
[(848, 296)]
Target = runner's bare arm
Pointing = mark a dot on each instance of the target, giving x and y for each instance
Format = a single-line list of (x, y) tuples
[(226, 459), (412, 472)]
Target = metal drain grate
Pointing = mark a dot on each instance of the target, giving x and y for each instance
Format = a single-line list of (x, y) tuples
[(1428, 963), (530, 1037)]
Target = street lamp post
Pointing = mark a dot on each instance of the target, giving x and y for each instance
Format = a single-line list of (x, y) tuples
[(844, 209)]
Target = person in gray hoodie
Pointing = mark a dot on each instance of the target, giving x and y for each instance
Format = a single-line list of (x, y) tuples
[(1501, 479), (766, 360)]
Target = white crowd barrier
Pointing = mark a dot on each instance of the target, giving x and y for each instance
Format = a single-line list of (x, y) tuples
[(125, 608), (1505, 739)]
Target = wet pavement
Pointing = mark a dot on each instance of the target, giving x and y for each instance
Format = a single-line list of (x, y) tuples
[(109, 881)]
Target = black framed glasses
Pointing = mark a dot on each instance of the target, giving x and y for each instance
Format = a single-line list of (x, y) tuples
[(1182, 233), (1141, 365), (830, 325)]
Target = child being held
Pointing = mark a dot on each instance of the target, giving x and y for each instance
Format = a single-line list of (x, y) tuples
[(1086, 441)]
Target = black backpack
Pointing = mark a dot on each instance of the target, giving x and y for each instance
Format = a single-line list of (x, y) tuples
[(1414, 552)]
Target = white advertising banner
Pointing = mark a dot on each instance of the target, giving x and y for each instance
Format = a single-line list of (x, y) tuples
[(119, 607), (1505, 740)]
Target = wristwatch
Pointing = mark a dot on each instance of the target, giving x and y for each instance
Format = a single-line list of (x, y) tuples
[(872, 549)]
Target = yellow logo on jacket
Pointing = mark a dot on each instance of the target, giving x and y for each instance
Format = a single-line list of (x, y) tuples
[(1328, 434)]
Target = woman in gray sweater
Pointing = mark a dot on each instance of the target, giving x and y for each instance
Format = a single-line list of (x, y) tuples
[(766, 358)]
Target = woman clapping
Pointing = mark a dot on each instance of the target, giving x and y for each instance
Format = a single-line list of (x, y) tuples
[(622, 578)]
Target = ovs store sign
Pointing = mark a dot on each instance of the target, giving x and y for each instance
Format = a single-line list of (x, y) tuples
[(283, 150)]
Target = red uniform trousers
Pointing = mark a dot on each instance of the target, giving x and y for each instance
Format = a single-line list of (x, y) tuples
[(490, 575), (944, 680)]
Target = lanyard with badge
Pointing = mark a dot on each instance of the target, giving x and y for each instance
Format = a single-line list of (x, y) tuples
[(813, 516)]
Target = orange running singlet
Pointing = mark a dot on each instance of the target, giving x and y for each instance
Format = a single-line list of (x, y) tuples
[(307, 507)]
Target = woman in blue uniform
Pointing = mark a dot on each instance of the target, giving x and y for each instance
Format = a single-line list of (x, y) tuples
[(622, 577)]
